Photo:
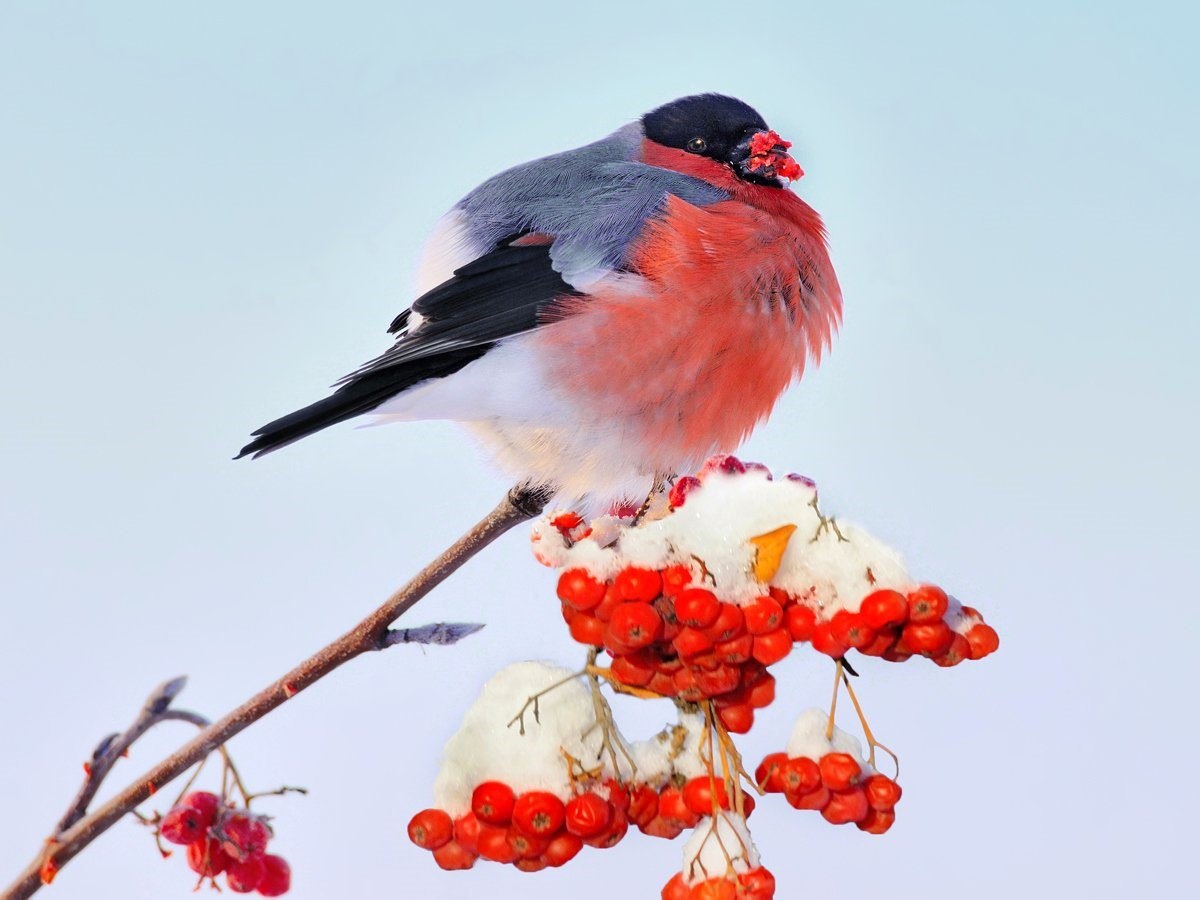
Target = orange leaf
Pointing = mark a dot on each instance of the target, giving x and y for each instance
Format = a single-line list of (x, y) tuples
[(768, 551)]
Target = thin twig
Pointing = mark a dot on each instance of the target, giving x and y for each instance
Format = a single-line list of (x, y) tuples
[(278, 792), (156, 709), (519, 505), (872, 744), (187, 785), (731, 774), (610, 737), (825, 523), (616, 685), (837, 684), (730, 748), (234, 775), (534, 700)]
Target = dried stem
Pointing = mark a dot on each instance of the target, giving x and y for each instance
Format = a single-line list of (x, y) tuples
[(235, 776), (534, 700), (730, 750), (616, 685), (610, 738), (577, 771), (734, 772), (187, 786), (825, 523), (837, 683), (712, 790), (871, 742), (731, 769), (278, 792), (371, 634)]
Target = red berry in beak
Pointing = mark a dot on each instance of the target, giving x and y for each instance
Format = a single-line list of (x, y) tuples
[(769, 156)]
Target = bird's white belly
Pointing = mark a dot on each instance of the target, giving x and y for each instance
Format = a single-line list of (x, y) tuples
[(591, 466), (533, 431), (506, 383)]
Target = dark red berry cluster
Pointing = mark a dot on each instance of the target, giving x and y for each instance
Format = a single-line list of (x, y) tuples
[(229, 840)]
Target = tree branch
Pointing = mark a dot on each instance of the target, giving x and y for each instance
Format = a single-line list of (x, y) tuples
[(372, 633)]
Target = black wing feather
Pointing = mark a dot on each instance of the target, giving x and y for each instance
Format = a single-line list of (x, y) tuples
[(501, 294)]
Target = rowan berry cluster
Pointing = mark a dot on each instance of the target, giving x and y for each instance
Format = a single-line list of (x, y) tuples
[(674, 639), (692, 599), (535, 829), (229, 840), (678, 640), (531, 830), (837, 785), (755, 884), (674, 631), (720, 862), (895, 626), (681, 803)]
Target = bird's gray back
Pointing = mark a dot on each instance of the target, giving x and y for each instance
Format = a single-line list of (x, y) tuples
[(594, 201)]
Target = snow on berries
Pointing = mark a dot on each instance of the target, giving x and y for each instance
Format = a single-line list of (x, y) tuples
[(225, 839), (525, 744), (720, 861), (525, 781), (693, 598), (741, 569)]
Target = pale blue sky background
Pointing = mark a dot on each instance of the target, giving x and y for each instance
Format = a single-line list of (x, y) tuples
[(209, 211)]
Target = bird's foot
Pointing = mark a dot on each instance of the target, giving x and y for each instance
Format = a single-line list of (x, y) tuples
[(530, 499), (658, 490)]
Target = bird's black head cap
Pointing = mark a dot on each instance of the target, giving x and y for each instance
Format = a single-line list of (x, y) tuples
[(720, 122), (726, 130)]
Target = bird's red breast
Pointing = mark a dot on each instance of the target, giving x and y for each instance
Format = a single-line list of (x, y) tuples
[(775, 201), (733, 299)]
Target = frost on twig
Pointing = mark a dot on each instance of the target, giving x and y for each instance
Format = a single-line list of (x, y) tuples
[(164, 695), (441, 634)]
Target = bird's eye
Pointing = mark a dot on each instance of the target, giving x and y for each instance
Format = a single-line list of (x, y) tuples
[(696, 145)]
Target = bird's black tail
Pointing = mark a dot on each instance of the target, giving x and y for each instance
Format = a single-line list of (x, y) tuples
[(362, 393)]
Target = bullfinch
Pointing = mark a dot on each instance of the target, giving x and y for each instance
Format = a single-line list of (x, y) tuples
[(607, 316)]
